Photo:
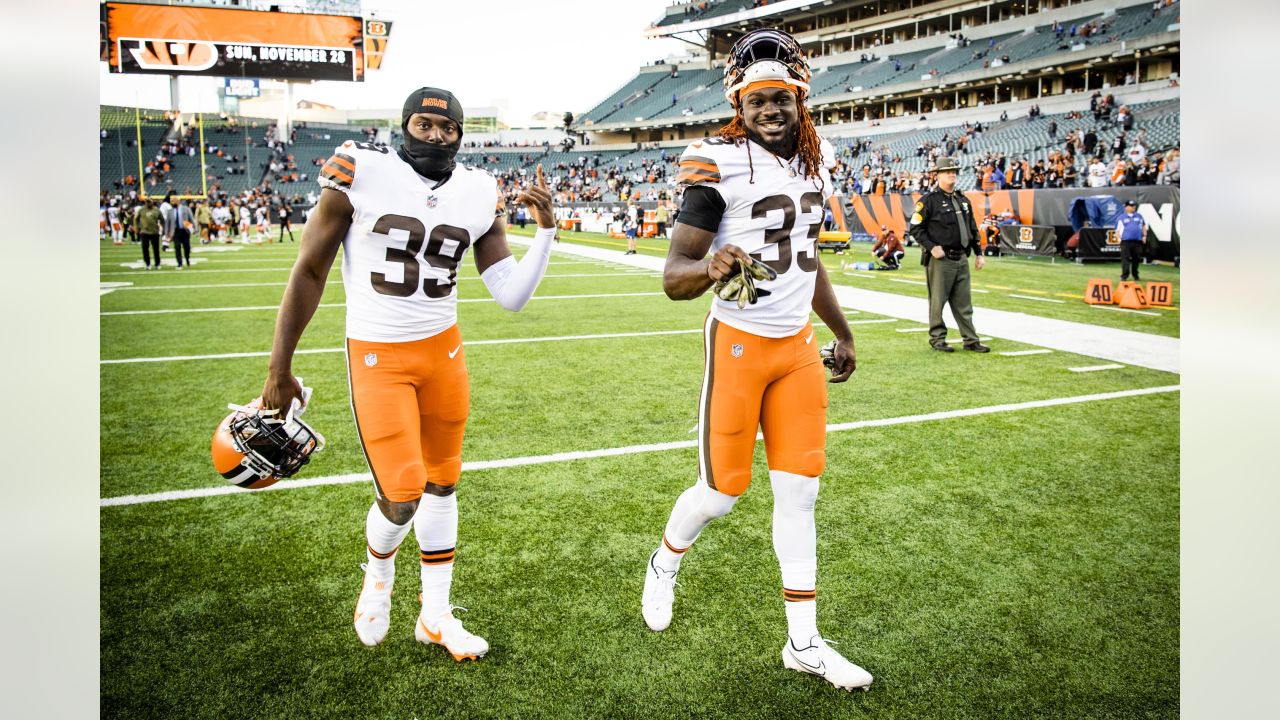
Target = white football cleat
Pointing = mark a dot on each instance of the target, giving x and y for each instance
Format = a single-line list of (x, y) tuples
[(819, 659), (373, 609), (659, 595), (449, 632)]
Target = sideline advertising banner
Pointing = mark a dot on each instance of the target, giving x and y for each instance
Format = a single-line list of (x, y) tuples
[(1028, 240), (1160, 206)]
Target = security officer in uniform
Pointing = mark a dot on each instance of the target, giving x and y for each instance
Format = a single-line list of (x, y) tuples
[(943, 224), (1132, 231)]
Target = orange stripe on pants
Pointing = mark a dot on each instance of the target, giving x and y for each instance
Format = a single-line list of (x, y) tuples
[(751, 381), (411, 402)]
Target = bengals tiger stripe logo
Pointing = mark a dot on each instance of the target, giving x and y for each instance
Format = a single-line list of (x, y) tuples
[(172, 56)]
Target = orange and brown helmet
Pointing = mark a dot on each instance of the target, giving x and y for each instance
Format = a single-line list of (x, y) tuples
[(253, 450)]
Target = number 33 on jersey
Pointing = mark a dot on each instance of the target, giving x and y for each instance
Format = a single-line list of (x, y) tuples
[(407, 238), (774, 213)]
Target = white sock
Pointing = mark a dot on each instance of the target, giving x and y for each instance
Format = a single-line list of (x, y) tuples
[(693, 511), (384, 538), (795, 542), (436, 525)]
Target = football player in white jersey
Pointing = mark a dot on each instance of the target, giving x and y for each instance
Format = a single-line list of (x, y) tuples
[(117, 229), (405, 220), (244, 224), (757, 190), (264, 226)]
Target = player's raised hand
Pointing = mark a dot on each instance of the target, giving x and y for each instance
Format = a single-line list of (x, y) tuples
[(724, 264), (538, 198)]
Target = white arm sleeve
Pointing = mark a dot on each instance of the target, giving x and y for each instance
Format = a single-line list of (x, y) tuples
[(512, 283)]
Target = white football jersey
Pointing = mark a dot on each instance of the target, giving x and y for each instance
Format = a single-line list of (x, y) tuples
[(401, 255), (775, 214)]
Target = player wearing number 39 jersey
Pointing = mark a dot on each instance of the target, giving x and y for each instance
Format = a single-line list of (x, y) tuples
[(405, 219), (757, 191)]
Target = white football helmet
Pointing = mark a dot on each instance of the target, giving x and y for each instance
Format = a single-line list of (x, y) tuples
[(765, 55)]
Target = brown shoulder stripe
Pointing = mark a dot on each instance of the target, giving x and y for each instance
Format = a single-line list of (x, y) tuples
[(340, 168), (696, 176), (706, 162)]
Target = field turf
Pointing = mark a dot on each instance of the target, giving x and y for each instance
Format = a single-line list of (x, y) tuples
[(1015, 563)]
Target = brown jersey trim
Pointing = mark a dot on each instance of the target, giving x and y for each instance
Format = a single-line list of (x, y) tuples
[(351, 392), (704, 424)]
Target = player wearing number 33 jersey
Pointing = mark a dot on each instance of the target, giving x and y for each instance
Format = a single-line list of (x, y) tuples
[(405, 218), (756, 193)]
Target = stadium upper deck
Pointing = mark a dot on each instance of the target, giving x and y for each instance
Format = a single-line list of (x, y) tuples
[(889, 58)]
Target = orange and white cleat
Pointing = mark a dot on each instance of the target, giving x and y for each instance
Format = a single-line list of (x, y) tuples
[(447, 630), (373, 609)]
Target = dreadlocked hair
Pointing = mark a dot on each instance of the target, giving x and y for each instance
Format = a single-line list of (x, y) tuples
[(808, 144)]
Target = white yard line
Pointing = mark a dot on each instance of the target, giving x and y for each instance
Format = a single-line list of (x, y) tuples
[(1020, 353), (872, 322), (334, 305), (1128, 310), (1095, 368), (1038, 299), (915, 329), (474, 466), (467, 343), (908, 282)]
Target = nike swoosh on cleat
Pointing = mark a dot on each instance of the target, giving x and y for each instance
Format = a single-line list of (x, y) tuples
[(454, 351), (819, 669), (433, 636)]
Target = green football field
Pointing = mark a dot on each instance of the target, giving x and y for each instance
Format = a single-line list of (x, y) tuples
[(998, 535)]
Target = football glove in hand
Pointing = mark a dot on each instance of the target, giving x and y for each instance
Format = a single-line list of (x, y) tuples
[(742, 287), (828, 355)]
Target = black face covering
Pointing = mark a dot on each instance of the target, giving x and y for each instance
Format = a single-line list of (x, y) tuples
[(435, 162), (432, 161)]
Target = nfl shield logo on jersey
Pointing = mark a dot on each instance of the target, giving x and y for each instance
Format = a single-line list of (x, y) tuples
[(736, 350), (371, 359), (432, 201)]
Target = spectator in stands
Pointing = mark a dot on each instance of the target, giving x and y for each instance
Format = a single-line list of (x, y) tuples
[(1038, 174), (1070, 176), (1097, 173), (1053, 130), (1090, 141), (1017, 175)]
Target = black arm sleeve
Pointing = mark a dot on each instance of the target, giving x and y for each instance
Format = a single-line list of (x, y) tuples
[(702, 207)]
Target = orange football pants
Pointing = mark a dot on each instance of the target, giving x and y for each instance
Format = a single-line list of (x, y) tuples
[(411, 402), (751, 382)]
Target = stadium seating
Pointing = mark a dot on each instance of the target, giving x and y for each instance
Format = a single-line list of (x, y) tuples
[(648, 95)]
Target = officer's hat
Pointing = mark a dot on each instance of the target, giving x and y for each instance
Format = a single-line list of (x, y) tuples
[(1131, 203), (946, 164)]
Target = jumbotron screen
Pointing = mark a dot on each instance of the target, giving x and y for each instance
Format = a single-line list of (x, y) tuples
[(169, 40)]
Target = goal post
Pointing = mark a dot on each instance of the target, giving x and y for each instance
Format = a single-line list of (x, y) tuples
[(204, 168)]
